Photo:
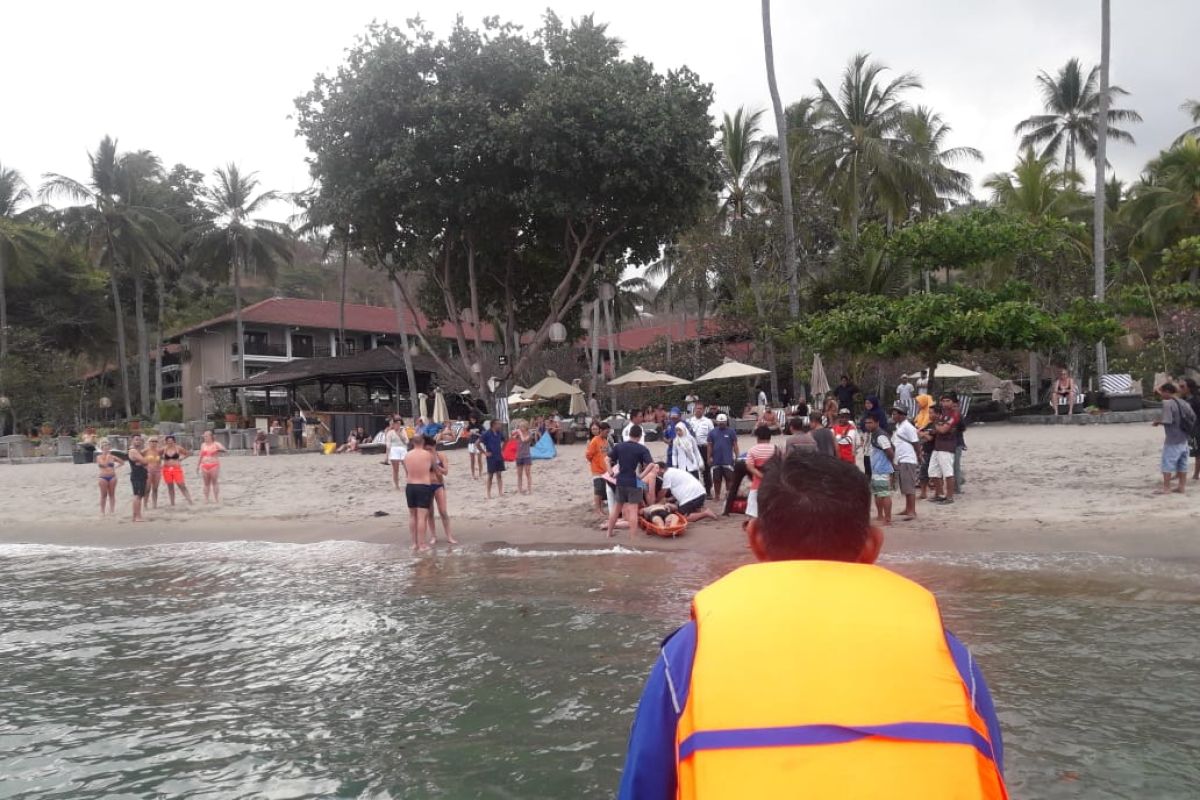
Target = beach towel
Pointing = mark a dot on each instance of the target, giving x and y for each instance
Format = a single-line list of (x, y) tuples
[(543, 448)]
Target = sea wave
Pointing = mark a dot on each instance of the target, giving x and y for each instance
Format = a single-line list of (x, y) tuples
[(615, 550)]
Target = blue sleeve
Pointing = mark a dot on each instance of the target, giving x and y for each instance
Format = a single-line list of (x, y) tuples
[(649, 772), (981, 696)]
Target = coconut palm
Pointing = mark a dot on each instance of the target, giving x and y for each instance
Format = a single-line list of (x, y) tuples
[(236, 243), (1192, 109), (116, 229), (1035, 188), (1166, 205), (866, 160), (22, 244), (941, 185), (743, 165), (1072, 103)]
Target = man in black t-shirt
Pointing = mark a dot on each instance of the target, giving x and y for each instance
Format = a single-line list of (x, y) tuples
[(633, 463)]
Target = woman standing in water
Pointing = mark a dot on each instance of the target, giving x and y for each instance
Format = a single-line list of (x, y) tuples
[(209, 466), (437, 479), (524, 456), (108, 464), (172, 469), (153, 458)]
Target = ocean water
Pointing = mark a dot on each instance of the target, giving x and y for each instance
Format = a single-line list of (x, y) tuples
[(355, 671)]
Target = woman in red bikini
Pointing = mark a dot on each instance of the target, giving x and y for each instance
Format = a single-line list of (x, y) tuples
[(172, 469), (210, 466), (108, 464)]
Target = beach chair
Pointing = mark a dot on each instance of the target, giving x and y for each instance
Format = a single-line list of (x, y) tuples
[(1117, 393), (1062, 402), (964, 405)]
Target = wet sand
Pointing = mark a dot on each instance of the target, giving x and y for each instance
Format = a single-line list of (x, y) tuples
[(1029, 489)]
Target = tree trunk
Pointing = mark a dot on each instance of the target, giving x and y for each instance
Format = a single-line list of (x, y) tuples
[(612, 354), (161, 291), (785, 177), (476, 323), (122, 354), (143, 342), (240, 331), (595, 344), (3, 331), (409, 373), (342, 300), (1098, 249)]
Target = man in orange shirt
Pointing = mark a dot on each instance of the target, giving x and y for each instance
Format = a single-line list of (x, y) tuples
[(597, 458)]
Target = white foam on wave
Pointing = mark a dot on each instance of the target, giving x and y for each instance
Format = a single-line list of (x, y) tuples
[(615, 550), (24, 549)]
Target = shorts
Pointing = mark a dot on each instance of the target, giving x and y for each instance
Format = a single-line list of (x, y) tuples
[(692, 506), (419, 495), (722, 472), (172, 475), (138, 482), (1175, 457), (629, 494), (941, 464), (472, 448), (752, 503), (906, 475), (524, 461), (881, 485), (599, 487), (495, 465), (397, 453)]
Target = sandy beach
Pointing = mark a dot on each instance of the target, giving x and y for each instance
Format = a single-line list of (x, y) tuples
[(1029, 489)]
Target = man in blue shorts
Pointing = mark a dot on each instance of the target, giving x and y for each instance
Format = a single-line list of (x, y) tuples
[(723, 451), (1177, 422)]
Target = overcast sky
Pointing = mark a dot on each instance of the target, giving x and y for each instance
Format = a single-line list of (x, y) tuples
[(207, 83)]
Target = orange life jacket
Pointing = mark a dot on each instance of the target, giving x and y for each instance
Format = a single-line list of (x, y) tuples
[(826, 679)]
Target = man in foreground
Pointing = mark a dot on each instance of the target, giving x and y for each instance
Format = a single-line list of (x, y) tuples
[(906, 440), (814, 673), (1177, 422), (418, 492)]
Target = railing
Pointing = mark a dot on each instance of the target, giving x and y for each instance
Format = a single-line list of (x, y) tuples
[(256, 349)]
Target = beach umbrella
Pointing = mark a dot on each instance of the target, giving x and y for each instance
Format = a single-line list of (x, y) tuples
[(989, 382), (422, 406), (731, 369), (551, 387), (639, 378), (517, 400), (820, 383), (440, 414), (948, 371), (578, 405)]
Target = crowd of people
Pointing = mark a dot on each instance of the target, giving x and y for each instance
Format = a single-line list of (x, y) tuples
[(154, 463)]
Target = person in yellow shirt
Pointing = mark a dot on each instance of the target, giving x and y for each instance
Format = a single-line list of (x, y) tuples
[(597, 458)]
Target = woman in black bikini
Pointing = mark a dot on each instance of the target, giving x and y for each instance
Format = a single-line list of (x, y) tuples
[(172, 469), (108, 464), (1064, 392)]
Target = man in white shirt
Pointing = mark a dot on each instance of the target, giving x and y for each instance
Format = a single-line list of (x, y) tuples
[(702, 426), (904, 396), (687, 490), (762, 401), (905, 440)]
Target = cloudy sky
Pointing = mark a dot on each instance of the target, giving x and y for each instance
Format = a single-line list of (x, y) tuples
[(206, 83)]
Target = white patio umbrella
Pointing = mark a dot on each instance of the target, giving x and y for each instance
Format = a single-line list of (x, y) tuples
[(517, 400), (820, 382), (578, 404), (422, 406), (731, 369), (440, 414), (948, 371), (640, 378), (551, 387)]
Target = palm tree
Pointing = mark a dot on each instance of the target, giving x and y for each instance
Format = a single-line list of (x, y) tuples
[(232, 239), (784, 163), (925, 133), (22, 244), (743, 165), (1072, 104), (117, 230), (1192, 109), (1035, 188), (1166, 205), (864, 153)]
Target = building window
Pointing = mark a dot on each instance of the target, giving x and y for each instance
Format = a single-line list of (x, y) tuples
[(302, 345)]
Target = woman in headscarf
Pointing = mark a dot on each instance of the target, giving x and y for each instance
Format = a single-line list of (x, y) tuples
[(686, 451), (872, 411)]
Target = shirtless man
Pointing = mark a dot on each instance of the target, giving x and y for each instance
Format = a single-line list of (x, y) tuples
[(419, 491), (139, 476)]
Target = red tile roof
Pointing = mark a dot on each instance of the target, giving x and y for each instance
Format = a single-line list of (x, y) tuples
[(646, 335), (324, 314)]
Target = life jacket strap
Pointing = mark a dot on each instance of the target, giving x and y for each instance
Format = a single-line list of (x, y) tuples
[(808, 735)]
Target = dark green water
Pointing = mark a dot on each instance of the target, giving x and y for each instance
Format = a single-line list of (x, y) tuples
[(350, 670)]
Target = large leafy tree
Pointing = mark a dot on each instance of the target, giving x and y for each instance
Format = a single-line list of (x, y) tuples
[(233, 241), (1072, 105), (1165, 206), (22, 245), (502, 166), (941, 184), (1036, 188), (114, 226)]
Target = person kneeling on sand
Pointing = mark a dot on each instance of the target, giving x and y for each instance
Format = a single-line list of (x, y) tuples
[(419, 490), (686, 489), (794, 679), (634, 464)]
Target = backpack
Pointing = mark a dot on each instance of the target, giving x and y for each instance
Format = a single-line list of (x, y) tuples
[(1187, 418)]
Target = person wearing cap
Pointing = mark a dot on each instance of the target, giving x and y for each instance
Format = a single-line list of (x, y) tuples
[(844, 435), (723, 451), (701, 426), (905, 441)]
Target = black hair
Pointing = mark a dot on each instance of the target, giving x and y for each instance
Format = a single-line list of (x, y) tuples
[(1191, 384), (762, 433), (949, 396), (816, 417), (811, 506), (796, 424), (662, 465), (635, 431), (604, 426), (1168, 388)]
